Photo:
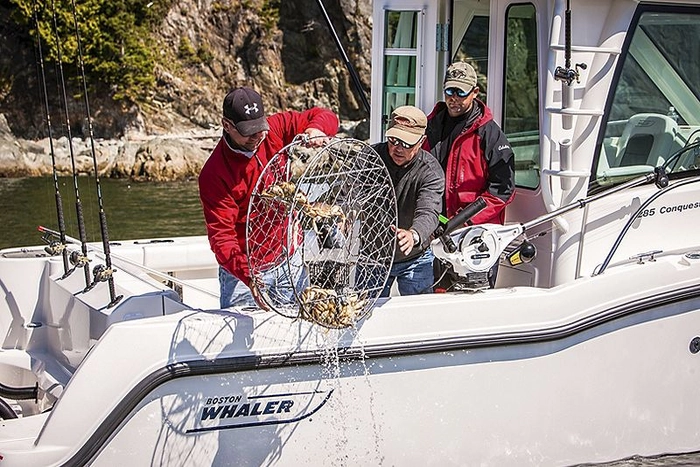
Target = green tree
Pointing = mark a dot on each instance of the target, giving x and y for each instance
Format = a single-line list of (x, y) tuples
[(115, 38)]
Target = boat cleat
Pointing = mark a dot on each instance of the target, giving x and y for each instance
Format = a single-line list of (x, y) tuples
[(648, 256)]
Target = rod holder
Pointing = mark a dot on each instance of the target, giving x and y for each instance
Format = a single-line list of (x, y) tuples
[(567, 101), (565, 163)]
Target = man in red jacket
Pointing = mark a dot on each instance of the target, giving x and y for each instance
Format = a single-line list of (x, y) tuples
[(249, 141), (473, 151)]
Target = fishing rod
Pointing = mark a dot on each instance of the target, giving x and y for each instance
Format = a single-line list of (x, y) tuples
[(151, 271), (99, 273), (566, 74), (346, 60), (78, 259), (54, 247)]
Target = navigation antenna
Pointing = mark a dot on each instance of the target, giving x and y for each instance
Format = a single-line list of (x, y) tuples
[(319, 231)]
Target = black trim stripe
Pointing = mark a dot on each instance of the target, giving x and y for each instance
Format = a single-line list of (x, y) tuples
[(246, 363)]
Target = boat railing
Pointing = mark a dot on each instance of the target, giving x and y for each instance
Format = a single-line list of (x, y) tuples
[(635, 216)]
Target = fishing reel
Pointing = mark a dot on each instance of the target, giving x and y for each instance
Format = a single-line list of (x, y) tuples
[(54, 248), (78, 260), (100, 273), (568, 75)]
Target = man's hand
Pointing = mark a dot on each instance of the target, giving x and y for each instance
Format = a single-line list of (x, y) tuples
[(316, 137), (257, 295), (404, 238)]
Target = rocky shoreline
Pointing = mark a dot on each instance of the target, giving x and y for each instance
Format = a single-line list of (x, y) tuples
[(138, 157)]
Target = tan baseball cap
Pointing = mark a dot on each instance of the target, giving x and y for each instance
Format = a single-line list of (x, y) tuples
[(460, 75), (407, 123)]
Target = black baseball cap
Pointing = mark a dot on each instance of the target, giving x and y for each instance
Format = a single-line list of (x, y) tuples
[(244, 107)]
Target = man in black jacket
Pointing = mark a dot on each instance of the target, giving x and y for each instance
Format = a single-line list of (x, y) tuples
[(419, 183)]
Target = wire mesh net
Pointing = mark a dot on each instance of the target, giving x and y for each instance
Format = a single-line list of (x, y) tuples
[(319, 237)]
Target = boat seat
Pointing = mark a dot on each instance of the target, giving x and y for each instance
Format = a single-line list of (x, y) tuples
[(648, 139)]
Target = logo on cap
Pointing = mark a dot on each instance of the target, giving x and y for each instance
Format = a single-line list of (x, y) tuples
[(253, 108), (460, 75), (245, 108), (456, 73)]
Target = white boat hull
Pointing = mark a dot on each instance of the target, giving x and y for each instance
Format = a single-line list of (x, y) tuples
[(588, 353), (594, 370)]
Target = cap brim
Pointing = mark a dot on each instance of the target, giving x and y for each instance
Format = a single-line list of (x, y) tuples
[(403, 135), (456, 84), (250, 127)]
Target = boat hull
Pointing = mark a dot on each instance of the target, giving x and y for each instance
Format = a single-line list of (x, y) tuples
[(595, 370)]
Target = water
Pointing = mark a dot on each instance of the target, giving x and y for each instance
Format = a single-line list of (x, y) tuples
[(133, 210)]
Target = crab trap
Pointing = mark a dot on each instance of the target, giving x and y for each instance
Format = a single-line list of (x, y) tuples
[(319, 237)]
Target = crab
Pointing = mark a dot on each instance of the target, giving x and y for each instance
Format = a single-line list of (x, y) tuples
[(284, 190), (319, 212), (287, 192), (327, 308), (324, 211)]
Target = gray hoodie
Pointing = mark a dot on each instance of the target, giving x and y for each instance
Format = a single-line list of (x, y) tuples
[(419, 186)]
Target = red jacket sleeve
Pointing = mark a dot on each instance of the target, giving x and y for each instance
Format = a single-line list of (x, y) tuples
[(287, 125)]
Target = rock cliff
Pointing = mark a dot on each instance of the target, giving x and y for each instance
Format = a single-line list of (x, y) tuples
[(289, 56)]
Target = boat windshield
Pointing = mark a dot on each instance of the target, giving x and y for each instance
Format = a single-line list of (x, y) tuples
[(655, 108)]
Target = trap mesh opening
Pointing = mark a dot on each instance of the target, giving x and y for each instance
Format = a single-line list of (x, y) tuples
[(319, 237)]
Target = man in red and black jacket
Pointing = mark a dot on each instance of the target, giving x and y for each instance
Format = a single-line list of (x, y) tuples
[(472, 150), (250, 139)]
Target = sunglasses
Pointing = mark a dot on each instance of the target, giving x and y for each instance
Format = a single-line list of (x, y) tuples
[(452, 91), (395, 142)]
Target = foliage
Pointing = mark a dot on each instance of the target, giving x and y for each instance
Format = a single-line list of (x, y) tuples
[(205, 54), (185, 51), (187, 54), (270, 14), (218, 7), (113, 38)]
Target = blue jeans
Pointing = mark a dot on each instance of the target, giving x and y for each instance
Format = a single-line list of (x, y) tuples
[(414, 276), (277, 285)]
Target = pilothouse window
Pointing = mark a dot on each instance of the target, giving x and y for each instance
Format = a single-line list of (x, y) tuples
[(400, 60), (473, 46), (520, 101), (655, 110)]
